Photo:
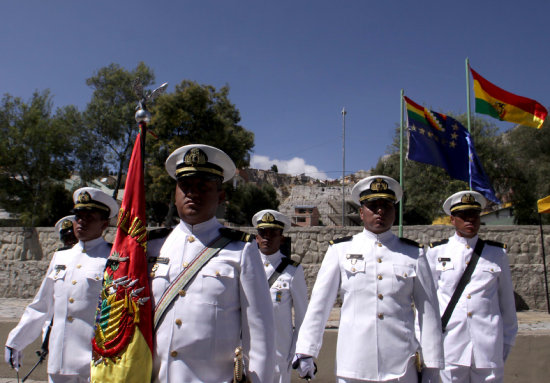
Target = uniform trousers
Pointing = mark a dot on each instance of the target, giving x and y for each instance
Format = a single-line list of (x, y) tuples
[(471, 374), (411, 376), (58, 378)]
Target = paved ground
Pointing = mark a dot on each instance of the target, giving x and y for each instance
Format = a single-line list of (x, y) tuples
[(528, 361)]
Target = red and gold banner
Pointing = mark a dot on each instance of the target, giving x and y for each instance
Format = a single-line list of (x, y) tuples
[(123, 340)]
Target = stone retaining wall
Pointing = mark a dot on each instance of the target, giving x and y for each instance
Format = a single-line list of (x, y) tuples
[(25, 254)]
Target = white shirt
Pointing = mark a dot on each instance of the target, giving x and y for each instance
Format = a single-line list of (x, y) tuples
[(70, 294), (485, 315), (225, 305), (379, 277), (288, 291)]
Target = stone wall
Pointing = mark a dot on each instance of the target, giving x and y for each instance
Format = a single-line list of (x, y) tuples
[(25, 254)]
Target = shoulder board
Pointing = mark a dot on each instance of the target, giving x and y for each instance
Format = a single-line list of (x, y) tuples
[(292, 262), (158, 233), (236, 235), (338, 240), (437, 243), (496, 244), (411, 242)]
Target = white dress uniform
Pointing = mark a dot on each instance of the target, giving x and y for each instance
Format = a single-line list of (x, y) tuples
[(379, 277), (226, 304), (484, 318), (70, 294), (287, 292)]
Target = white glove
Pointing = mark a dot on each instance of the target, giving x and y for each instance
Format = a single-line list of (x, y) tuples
[(13, 357), (430, 375), (305, 366), (506, 351)]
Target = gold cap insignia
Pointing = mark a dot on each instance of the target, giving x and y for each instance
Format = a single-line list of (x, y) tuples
[(379, 185), (468, 199), (195, 157), (67, 224), (268, 217), (84, 197)]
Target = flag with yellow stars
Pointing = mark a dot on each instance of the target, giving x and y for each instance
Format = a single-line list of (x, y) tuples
[(440, 140)]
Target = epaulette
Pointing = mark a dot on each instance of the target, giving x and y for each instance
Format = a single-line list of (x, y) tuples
[(236, 235), (496, 244), (338, 240), (293, 263), (158, 233), (411, 242), (437, 243)]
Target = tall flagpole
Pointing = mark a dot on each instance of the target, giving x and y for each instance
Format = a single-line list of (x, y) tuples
[(401, 163), (343, 165), (469, 113)]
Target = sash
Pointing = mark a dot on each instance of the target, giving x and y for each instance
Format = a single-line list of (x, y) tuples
[(462, 283), (278, 271), (187, 274)]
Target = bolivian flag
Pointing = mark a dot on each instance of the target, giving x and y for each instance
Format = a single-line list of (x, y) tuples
[(123, 339), (498, 103)]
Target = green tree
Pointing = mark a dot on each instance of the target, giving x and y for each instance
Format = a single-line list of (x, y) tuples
[(111, 127), (192, 114), (274, 168), (247, 200), (35, 156)]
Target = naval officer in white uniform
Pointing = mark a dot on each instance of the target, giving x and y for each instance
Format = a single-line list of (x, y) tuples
[(65, 228), (483, 325), (380, 278), (226, 303), (287, 287), (69, 294)]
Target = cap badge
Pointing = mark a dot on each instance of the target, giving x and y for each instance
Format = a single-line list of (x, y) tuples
[(378, 185), (268, 217), (468, 199), (67, 224), (84, 197), (195, 157)]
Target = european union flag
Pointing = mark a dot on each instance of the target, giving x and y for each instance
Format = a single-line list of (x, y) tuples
[(440, 140)]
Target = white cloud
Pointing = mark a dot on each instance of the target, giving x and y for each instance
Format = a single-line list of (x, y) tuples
[(294, 166)]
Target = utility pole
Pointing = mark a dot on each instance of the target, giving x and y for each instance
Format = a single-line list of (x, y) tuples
[(343, 165)]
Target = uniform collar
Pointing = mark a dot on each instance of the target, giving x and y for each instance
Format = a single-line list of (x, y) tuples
[(273, 257), (383, 237), (200, 228), (466, 241), (90, 245)]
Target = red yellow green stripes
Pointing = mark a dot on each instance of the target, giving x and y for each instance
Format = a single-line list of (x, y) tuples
[(506, 106)]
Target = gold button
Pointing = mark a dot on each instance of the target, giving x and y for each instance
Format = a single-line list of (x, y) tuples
[(78, 266), (467, 246), (97, 277), (380, 296), (353, 269), (73, 282), (152, 275), (70, 318), (379, 244), (380, 316), (469, 296), (174, 354), (191, 238), (178, 322), (266, 264), (405, 275), (380, 277), (185, 264), (182, 293), (492, 270), (470, 314), (379, 260), (217, 273), (71, 300)]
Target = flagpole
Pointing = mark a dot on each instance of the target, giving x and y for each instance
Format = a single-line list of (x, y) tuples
[(468, 107), (401, 162), (544, 265), (343, 165)]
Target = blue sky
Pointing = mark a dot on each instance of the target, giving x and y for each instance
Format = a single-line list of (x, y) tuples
[(291, 65)]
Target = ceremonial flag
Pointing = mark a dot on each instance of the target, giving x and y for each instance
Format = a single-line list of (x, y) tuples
[(123, 340), (440, 140), (505, 106), (543, 205)]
